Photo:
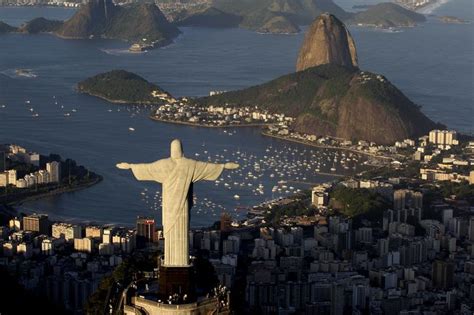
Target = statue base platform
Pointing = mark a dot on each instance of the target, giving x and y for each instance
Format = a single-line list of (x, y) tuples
[(177, 280)]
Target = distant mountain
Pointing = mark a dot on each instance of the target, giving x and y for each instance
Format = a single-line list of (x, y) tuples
[(210, 17), (337, 101), (40, 25), (265, 16), (327, 41), (131, 23), (5, 28), (387, 15), (299, 11), (120, 86)]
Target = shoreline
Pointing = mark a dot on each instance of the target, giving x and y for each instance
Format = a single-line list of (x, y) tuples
[(323, 146), (55, 192), (120, 102), (207, 126)]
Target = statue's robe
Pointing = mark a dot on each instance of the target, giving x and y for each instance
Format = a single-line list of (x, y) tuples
[(177, 177)]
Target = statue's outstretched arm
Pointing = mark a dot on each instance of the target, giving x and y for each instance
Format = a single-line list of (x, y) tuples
[(124, 166)]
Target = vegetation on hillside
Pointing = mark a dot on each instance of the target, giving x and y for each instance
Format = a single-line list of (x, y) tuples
[(210, 17), (358, 202), (122, 87), (40, 25), (387, 15), (139, 21), (133, 22), (336, 101), (5, 28)]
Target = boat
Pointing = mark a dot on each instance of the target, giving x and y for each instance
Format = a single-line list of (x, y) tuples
[(236, 197), (131, 129)]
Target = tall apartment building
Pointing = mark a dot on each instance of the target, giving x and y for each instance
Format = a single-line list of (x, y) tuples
[(443, 274), (54, 170), (145, 231), (443, 137), (36, 223), (405, 198)]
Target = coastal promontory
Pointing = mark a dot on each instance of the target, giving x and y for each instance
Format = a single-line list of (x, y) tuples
[(120, 86)]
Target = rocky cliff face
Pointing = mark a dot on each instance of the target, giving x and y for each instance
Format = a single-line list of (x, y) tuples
[(327, 41)]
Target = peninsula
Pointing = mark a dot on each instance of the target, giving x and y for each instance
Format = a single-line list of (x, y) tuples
[(29, 175), (120, 86)]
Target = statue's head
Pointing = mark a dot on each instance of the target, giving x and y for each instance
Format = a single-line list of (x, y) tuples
[(176, 149)]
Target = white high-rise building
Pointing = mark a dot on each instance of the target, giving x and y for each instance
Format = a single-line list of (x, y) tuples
[(47, 247), (66, 231), (54, 170), (3, 179), (443, 137), (12, 177)]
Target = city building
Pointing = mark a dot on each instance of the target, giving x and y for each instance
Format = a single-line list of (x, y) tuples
[(36, 223), (145, 231)]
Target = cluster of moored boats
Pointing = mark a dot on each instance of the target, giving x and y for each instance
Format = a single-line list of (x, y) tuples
[(279, 172)]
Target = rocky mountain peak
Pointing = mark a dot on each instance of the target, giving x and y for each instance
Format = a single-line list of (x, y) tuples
[(327, 41)]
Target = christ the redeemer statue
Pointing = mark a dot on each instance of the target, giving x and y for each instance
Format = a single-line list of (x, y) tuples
[(176, 174)]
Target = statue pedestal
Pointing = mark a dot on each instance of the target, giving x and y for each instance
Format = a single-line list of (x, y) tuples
[(177, 280)]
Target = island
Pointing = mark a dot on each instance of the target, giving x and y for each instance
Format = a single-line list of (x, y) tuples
[(123, 87), (30, 175)]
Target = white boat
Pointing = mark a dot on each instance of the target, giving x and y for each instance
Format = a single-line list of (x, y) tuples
[(237, 197), (131, 129)]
